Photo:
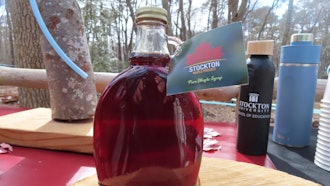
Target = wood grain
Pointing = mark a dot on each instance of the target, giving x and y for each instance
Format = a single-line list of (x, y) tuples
[(216, 172), (35, 128)]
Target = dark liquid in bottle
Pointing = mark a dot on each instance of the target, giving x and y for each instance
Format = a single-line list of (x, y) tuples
[(142, 136)]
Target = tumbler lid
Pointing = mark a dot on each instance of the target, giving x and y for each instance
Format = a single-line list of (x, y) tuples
[(302, 37), (151, 12), (260, 47), (301, 50)]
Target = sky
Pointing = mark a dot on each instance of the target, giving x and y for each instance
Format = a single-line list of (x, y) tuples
[(198, 3), (279, 11), (261, 3), (2, 7)]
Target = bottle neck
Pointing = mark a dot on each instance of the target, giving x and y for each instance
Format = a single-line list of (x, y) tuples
[(151, 37)]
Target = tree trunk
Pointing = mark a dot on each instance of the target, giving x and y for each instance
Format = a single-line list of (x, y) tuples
[(287, 26), (214, 10), (274, 4), (167, 6), (71, 96), (169, 31), (236, 12), (27, 53), (183, 22), (37, 78), (11, 47), (189, 31)]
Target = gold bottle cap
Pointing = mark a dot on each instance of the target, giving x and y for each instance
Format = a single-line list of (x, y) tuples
[(150, 12), (260, 47)]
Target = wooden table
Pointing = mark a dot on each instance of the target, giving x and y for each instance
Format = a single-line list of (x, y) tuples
[(216, 172), (35, 166)]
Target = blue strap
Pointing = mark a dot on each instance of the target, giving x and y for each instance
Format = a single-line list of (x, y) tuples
[(52, 42)]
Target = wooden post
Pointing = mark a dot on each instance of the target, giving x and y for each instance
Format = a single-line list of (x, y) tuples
[(223, 94), (71, 97), (36, 78)]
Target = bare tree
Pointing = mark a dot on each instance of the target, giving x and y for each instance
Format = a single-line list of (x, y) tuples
[(214, 11), (131, 12), (287, 25), (132, 15), (236, 11), (167, 6), (27, 52), (183, 30), (189, 12), (274, 4), (72, 97), (10, 38), (6, 39)]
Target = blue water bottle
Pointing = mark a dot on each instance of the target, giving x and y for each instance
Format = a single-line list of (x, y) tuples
[(296, 91)]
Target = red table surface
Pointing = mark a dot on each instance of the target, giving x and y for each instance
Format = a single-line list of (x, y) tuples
[(31, 166)]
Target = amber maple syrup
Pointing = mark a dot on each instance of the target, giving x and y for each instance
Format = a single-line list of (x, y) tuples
[(143, 136)]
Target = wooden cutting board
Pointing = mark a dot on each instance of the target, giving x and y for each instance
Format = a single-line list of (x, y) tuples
[(35, 128), (217, 172)]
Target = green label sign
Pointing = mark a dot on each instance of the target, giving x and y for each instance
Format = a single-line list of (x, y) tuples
[(213, 59)]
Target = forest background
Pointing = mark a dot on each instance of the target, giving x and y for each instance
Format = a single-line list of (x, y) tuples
[(111, 33)]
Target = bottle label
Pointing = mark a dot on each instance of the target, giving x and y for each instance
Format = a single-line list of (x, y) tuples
[(213, 59), (253, 108)]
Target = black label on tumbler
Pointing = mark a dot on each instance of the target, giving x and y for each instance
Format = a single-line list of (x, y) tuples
[(252, 108)]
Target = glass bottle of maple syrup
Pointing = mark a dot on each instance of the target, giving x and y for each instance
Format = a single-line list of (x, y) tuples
[(142, 136)]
